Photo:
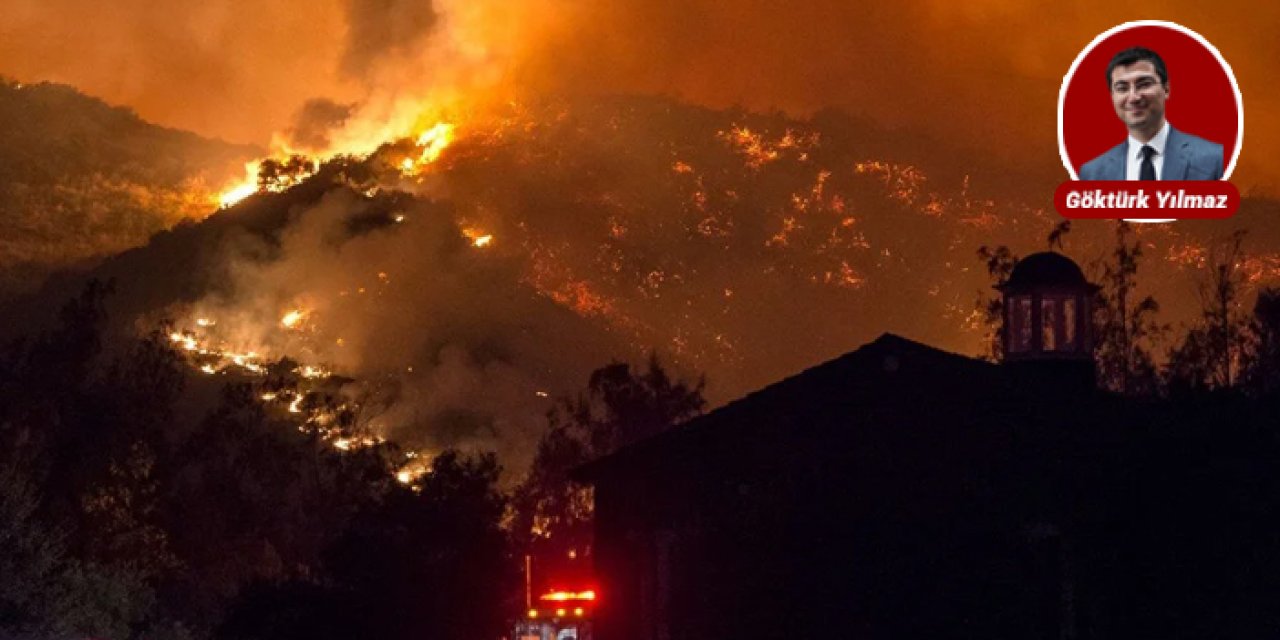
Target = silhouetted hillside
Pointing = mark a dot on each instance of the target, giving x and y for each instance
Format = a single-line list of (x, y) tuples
[(80, 179)]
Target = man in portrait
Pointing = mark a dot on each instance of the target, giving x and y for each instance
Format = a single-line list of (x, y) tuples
[(1139, 86)]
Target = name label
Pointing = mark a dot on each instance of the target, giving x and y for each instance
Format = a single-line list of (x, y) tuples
[(1172, 200)]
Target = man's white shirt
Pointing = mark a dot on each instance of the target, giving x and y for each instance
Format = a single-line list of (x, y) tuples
[(1133, 164)]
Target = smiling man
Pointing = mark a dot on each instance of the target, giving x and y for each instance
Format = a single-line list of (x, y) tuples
[(1139, 85)]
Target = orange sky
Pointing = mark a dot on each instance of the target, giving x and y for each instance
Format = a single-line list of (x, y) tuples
[(982, 74)]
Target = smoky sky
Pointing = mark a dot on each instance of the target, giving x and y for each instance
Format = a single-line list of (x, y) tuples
[(378, 29), (982, 74), (316, 118)]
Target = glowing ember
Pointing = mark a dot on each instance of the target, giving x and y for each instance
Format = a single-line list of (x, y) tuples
[(434, 141), (318, 418), (904, 182), (245, 361), (218, 358), (751, 145), (351, 444), (1188, 255), (478, 238), (205, 322), (187, 342), (1262, 268), (758, 151), (845, 277), (291, 319), (309, 371), (431, 143), (415, 468)]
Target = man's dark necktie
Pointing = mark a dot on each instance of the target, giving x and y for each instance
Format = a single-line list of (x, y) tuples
[(1148, 170)]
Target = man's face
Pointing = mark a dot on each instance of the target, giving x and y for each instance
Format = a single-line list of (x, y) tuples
[(1138, 96)]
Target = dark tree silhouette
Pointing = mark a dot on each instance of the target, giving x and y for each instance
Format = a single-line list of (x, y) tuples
[(1059, 232), (65, 448), (277, 175), (1262, 365), (999, 262), (115, 524), (428, 561), (45, 591), (1126, 330), (254, 498), (552, 514), (1213, 351)]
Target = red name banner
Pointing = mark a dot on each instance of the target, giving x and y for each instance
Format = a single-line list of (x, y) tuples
[(1151, 200)]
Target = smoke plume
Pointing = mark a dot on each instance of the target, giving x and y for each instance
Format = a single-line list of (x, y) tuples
[(378, 30), (315, 122)]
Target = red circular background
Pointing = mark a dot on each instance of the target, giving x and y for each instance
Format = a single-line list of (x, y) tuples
[(1202, 100)]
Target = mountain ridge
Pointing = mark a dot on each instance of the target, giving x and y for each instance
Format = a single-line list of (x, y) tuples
[(81, 179)]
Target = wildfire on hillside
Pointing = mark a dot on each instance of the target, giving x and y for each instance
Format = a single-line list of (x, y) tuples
[(743, 246), (307, 392)]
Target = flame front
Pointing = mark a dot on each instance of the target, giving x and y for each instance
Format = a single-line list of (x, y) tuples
[(434, 141), (246, 187)]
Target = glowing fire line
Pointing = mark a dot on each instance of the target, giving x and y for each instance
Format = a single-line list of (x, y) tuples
[(430, 144)]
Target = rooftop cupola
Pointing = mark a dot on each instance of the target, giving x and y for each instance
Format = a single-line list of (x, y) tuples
[(1047, 307)]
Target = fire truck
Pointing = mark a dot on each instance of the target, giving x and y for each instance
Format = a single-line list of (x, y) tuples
[(558, 615)]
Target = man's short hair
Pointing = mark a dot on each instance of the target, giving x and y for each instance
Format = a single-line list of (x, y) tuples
[(1137, 54)]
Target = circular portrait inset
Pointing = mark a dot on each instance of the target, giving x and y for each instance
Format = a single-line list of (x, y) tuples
[(1150, 100)]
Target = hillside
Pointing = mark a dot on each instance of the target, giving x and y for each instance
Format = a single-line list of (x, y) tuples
[(744, 245), (81, 179)]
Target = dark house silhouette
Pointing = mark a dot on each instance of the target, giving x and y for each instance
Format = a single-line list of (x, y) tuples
[(900, 491)]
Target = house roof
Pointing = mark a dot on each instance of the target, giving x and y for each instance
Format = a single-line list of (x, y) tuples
[(891, 367)]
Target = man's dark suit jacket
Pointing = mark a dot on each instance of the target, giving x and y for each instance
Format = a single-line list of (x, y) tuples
[(1186, 157)]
